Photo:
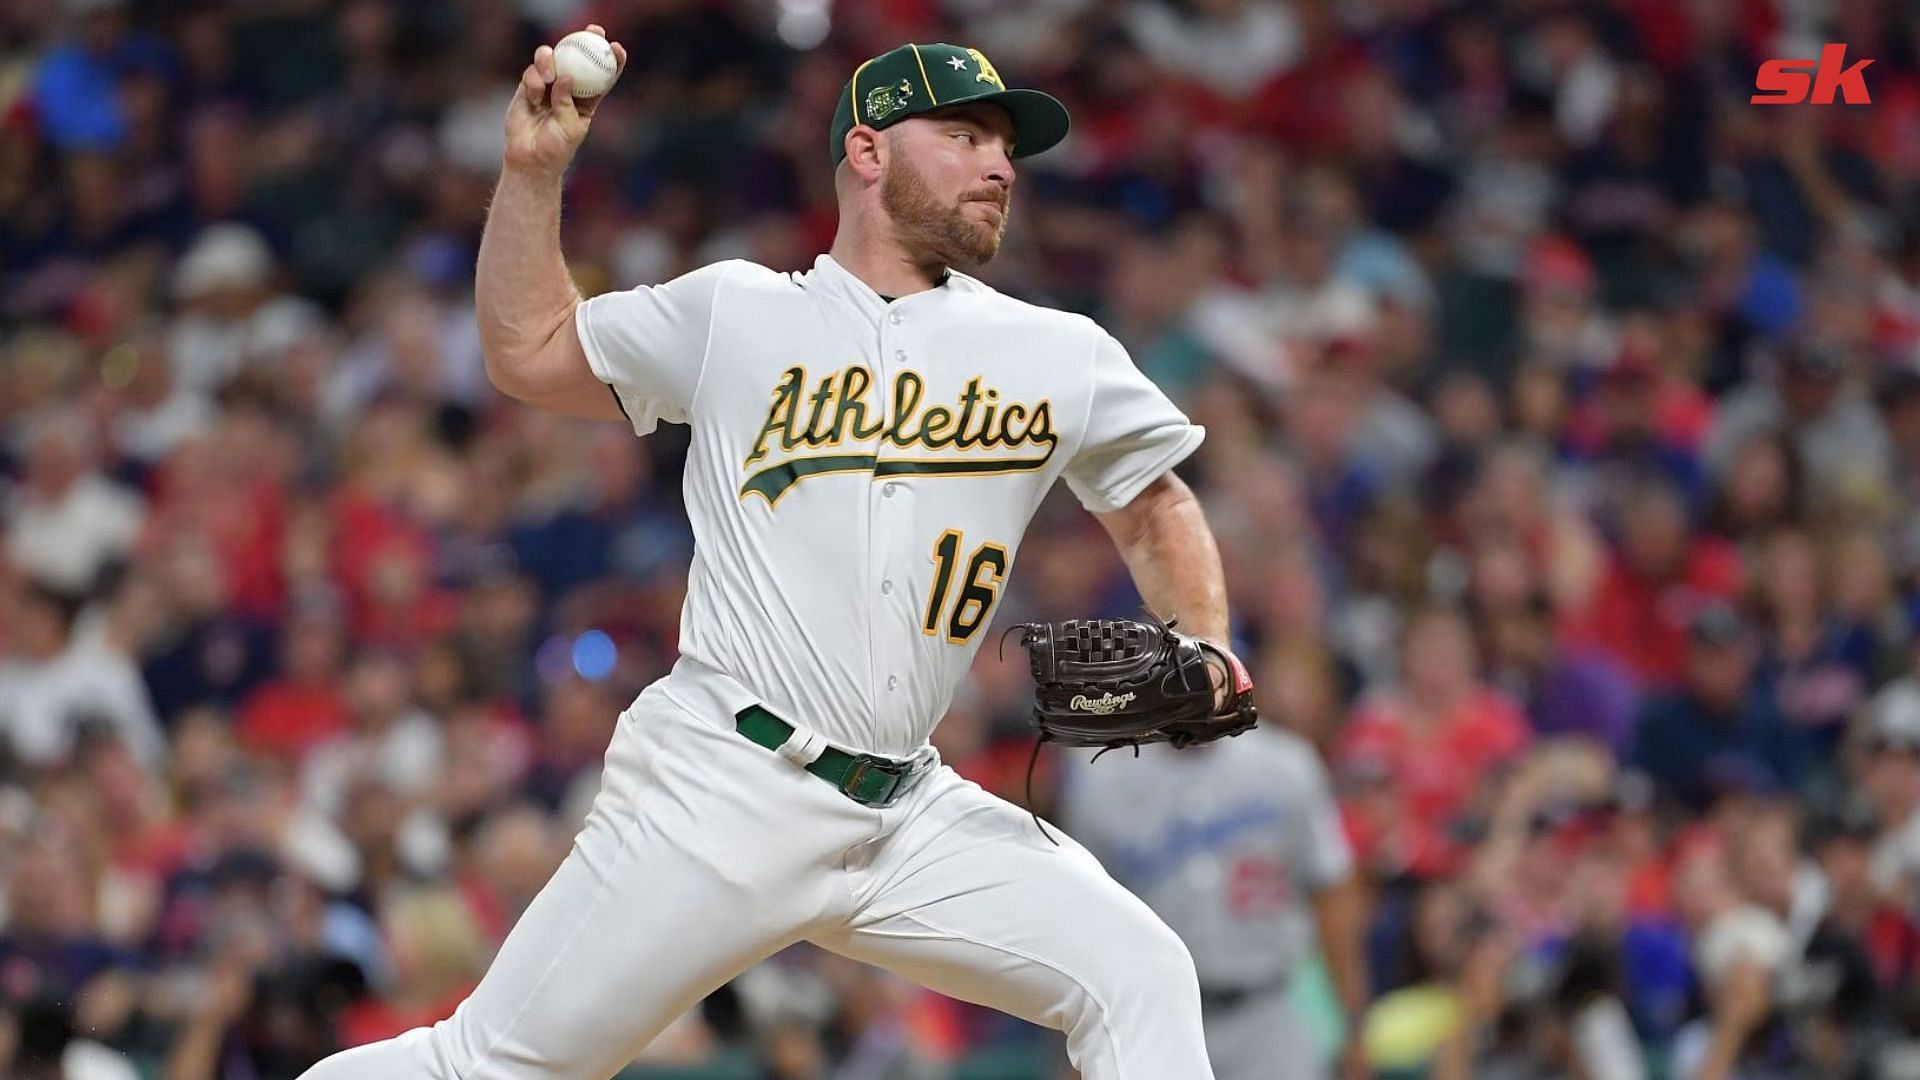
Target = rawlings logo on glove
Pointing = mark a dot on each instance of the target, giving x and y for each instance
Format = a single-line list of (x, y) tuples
[(1101, 705), (1121, 682)]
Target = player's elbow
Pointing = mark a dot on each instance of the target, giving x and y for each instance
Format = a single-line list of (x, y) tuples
[(1148, 514), (531, 363), (1167, 492), (509, 371), (553, 375)]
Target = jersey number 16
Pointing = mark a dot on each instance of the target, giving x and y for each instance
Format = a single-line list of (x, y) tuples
[(979, 587)]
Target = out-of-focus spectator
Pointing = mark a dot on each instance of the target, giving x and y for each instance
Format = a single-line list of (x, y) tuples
[(387, 741), (437, 953), (1513, 495), (1765, 487), (303, 706), (1721, 728), (65, 520), (1230, 46), (46, 1046), (1641, 423), (1566, 689), (232, 315), (1818, 662), (513, 854), (206, 653), (1415, 757), (52, 686), (574, 724), (1815, 396), (1658, 579), (1891, 779), (1154, 286), (1455, 962), (155, 411)]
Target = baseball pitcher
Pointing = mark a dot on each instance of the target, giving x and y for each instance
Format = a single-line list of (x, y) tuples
[(869, 441)]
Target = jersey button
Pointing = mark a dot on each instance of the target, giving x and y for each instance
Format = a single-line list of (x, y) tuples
[(893, 317), (887, 489), (893, 682), (886, 588), (899, 355)]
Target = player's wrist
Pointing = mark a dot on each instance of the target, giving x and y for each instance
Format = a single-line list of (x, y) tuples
[(1231, 678), (533, 176)]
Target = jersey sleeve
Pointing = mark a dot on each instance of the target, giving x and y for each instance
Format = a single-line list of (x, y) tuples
[(649, 343), (1133, 433)]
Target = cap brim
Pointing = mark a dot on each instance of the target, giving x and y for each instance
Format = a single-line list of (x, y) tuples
[(1039, 120)]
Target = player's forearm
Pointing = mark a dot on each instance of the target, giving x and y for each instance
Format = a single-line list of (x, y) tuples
[(1164, 539), (1339, 912), (523, 294)]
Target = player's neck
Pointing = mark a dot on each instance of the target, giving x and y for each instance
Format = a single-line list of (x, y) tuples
[(884, 266)]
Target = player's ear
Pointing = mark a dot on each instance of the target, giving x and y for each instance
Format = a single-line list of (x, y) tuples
[(866, 152)]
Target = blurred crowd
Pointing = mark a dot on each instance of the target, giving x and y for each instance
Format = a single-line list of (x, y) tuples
[(1564, 449)]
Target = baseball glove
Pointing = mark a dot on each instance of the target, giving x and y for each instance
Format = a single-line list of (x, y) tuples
[(1121, 682)]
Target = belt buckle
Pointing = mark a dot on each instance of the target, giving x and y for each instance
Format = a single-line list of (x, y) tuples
[(898, 773)]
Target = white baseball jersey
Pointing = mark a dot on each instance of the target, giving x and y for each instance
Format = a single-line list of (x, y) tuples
[(861, 472), (1227, 842)]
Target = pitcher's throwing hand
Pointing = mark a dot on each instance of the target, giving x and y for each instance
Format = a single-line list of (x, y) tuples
[(545, 122)]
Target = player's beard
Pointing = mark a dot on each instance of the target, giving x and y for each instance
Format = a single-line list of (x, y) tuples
[(944, 232)]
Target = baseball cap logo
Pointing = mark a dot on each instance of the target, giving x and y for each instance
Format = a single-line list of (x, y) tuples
[(915, 78), (986, 74), (884, 101)]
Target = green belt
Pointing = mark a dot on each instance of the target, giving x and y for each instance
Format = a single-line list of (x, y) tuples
[(866, 779)]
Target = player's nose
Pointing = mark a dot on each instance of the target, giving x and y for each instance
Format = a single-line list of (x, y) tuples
[(999, 170)]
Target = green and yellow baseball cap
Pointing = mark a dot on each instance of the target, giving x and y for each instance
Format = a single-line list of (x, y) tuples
[(915, 79)]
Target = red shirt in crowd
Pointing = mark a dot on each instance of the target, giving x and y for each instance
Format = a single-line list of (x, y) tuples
[(1431, 770), (286, 719), (246, 528), (385, 565), (374, 1021), (1642, 620)]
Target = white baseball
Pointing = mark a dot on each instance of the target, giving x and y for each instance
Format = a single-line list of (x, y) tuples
[(589, 58)]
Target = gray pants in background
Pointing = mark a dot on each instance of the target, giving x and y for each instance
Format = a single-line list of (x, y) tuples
[(1262, 1037)]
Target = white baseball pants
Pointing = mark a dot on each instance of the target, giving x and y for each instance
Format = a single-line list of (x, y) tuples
[(705, 853)]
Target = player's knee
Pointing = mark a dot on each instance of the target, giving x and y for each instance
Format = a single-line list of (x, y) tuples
[(1167, 965), (1141, 992), (453, 1045), (1147, 971)]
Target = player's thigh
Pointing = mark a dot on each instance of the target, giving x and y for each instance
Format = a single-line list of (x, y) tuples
[(663, 898), (600, 962), (971, 900)]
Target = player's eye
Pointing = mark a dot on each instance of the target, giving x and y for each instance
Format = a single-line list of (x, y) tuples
[(963, 133)]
